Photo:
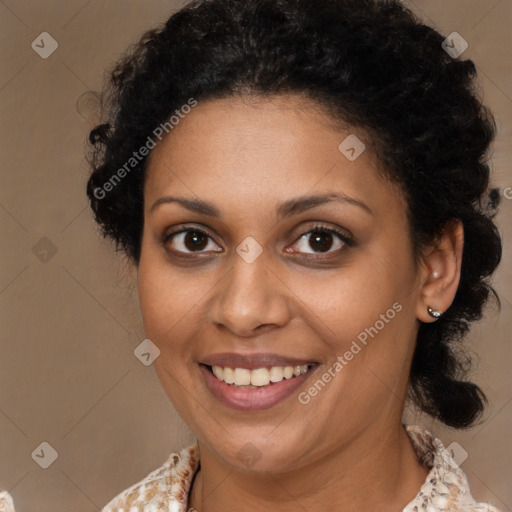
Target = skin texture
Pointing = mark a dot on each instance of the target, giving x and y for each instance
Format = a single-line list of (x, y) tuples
[(346, 446)]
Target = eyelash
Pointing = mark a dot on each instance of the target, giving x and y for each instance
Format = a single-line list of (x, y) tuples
[(344, 237)]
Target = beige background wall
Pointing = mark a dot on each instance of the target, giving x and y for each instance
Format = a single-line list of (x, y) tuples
[(69, 316)]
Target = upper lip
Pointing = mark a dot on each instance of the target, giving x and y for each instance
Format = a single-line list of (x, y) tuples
[(252, 361)]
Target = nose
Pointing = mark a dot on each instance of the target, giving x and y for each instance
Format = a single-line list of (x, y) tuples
[(251, 299)]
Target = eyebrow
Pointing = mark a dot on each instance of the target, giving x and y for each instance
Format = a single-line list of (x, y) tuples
[(288, 208)]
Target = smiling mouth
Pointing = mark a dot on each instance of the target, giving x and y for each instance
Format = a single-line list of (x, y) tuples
[(245, 378)]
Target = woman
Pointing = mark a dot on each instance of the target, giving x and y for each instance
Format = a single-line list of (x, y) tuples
[(302, 188)]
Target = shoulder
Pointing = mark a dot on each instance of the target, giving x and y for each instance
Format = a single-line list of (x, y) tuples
[(6, 504), (446, 487), (169, 484)]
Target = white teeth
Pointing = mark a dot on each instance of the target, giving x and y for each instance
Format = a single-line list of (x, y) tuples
[(228, 375), (258, 377), (276, 374), (288, 372), (242, 377)]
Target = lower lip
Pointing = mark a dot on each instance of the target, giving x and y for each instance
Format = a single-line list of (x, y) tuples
[(253, 399)]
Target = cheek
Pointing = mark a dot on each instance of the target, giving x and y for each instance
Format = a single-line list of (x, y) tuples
[(365, 315), (171, 302), (354, 298), (164, 309), (163, 298)]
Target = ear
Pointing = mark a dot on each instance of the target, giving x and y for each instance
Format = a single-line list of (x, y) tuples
[(440, 271)]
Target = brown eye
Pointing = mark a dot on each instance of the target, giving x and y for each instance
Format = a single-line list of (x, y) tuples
[(195, 241), (190, 241), (322, 240)]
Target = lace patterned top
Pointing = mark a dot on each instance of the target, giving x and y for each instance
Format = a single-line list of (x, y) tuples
[(6, 504), (167, 488)]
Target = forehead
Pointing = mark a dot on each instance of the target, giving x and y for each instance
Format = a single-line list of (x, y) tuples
[(245, 149)]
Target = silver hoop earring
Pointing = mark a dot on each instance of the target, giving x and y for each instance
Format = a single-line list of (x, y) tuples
[(434, 313)]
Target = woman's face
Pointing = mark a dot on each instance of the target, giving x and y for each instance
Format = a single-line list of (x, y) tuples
[(255, 276)]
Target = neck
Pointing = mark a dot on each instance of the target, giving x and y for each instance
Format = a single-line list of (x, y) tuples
[(378, 470)]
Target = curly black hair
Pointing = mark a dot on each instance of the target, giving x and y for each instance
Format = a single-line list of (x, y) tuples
[(372, 64)]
